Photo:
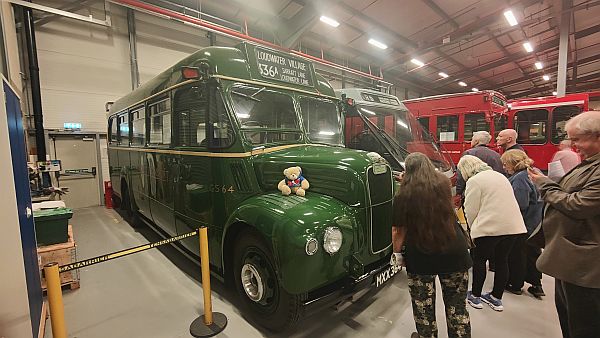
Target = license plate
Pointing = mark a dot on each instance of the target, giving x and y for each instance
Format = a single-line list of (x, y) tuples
[(385, 275)]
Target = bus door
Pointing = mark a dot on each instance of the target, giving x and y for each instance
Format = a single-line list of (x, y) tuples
[(195, 181), (161, 164)]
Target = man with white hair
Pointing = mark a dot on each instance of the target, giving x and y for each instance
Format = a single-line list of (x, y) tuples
[(567, 157), (480, 149), (571, 227), (507, 140)]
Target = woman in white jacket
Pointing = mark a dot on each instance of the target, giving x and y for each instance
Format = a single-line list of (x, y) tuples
[(495, 219)]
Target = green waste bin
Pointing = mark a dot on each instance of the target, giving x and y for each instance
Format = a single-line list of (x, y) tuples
[(51, 226)]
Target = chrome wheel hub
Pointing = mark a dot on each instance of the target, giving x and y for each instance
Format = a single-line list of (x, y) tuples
[(252, 282)]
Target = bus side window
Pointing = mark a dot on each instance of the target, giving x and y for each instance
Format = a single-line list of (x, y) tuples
[(220, 129), (474, 122), (530, 125), (160, 121), (138, 124), (447, 128), (560, 116), (124, 129), (189, 106), (113, 130)]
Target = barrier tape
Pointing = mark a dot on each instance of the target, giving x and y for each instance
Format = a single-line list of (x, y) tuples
[(117, 254)]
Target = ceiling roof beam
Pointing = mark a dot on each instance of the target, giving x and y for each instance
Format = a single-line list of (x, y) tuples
[(440, 12), (541, 89)]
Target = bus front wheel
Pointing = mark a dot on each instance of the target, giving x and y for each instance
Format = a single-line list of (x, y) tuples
[(257, 285)]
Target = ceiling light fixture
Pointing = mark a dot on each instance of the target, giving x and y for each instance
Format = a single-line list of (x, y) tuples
[(462, 84), (510, 17), (546, 78), (554, 93), (475, 89), (442, 74), (528, 47), (417, 62), (331, 22), (378, 44), (539, 65)]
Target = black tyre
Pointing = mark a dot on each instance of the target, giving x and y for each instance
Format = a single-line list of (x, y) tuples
[(258, 287)]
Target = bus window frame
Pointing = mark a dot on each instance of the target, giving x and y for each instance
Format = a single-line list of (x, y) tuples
[(119, 115), (113, 120), (140, 107), (176, 139), (547, 121), (553, 121), (465, 115), (214, 88), (458, 124), (155, 100)]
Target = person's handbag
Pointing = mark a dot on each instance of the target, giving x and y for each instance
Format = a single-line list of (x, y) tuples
[(466, 232)]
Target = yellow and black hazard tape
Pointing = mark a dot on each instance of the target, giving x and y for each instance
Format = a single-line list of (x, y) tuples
[(117, 254)]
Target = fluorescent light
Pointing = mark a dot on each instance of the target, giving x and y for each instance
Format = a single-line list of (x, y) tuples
[(462, 84), (554, 93), (510, 17), (326, 133), (528, 47), (546, 78), (539, 65), (475, 89), (417, 62), (442, 74), (378, 44), (331, 22)]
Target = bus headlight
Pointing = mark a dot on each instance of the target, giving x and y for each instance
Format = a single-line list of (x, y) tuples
[(332, 240)]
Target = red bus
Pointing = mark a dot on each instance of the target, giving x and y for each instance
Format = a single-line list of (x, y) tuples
[(452, 118), (540, 122)]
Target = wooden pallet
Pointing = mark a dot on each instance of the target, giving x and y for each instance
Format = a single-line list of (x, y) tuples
[(61, 253)]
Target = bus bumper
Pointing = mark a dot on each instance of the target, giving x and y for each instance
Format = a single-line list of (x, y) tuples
[(344, 289)]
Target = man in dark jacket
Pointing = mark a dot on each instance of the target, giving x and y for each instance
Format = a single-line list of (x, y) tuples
[(571, 226), (480, 149), (507, 140)]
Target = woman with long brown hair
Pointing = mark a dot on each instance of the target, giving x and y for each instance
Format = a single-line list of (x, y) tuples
[(434, 245)]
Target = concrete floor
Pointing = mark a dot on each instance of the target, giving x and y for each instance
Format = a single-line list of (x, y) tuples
[(152, 294)]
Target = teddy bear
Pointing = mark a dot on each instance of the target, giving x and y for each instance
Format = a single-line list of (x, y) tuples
[(293, 182)]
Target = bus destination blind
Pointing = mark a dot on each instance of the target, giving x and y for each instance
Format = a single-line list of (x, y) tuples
[(281, 67)]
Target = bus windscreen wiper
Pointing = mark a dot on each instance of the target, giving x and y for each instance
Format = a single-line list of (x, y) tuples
[(389, 143), (249, 97)]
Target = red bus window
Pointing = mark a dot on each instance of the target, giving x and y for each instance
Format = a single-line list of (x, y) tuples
[(531, 126), (447, 128), (560, 116), (499, 124), (475, 122)]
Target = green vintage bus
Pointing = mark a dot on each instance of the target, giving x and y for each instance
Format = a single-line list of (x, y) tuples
[(205, 143)]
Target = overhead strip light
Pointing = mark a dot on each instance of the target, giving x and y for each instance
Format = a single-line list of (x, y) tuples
[(554, 93), (417, 62), (539, 65), (378, 44), (475, 89), (546, 78), (528, 47), (331, 22), (510, 17), (462, 84), (442, 74)]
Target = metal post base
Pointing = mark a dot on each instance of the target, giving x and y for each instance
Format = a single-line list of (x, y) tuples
[(199, 329)]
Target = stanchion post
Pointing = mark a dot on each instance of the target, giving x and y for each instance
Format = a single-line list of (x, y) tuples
[(208, 324), (57, 310)]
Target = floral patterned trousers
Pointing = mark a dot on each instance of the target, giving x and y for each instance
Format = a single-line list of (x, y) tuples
[(454, 292)]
